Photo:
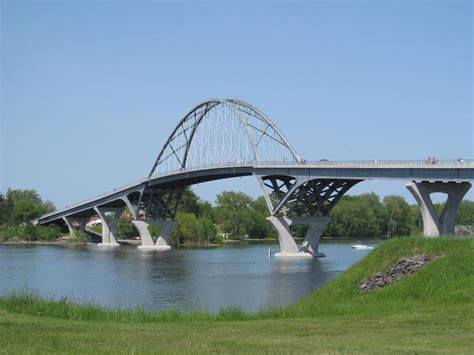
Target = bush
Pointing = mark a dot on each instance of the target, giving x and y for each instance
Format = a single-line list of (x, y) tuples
[(79, 237), (51, 232), (30, 232), (126, 229)]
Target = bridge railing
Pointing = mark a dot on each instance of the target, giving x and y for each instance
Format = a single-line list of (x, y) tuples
[(459, 163), (468, 163), (391, 163)]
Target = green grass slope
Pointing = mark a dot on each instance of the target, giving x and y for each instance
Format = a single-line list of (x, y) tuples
[(430, 312)]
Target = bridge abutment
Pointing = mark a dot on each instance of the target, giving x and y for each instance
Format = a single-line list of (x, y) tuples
[(147, 240), (434, 225), (109, 229)]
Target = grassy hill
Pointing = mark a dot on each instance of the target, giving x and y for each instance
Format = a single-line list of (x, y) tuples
[(431, 311)]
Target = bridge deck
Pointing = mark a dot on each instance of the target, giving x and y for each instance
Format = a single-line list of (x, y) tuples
[(452, 171)]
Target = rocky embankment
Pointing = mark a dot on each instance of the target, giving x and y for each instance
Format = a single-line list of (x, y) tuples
[(464, 230), (403, 267)]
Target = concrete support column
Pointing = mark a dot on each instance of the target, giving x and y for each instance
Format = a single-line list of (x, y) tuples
[(70, 220), (434, 225), (109, 230), (310, 246), (282, 227), (147, 240), (133, 209), (316, 227)]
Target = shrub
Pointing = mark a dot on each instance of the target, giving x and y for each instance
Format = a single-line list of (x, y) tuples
[(79, 237)]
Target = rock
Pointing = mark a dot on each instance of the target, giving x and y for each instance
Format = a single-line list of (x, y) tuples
[(403, 267), (464, 230)]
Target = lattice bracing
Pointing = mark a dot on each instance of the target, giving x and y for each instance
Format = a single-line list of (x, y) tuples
[(160, 204), (278, 186), (223, 132), (316, 197)]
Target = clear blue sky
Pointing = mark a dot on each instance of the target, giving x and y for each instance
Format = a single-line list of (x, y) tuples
[(91, 90)]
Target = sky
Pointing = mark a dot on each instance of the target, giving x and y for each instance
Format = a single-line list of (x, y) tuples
[(91, 90)]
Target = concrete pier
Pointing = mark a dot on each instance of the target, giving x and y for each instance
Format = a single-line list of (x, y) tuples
[(316, 227), (109, 229), (147, 240), (434, 225), (70, 221), (288, 246)]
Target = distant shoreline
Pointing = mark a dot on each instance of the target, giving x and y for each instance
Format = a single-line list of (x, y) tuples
[(64, 242)]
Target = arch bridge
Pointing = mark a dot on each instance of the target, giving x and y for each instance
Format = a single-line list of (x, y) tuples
[(220, 139)]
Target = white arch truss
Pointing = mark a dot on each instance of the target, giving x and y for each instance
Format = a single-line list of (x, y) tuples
[(220, 132)]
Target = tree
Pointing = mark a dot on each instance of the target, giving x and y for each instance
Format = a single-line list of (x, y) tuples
[(190, 229), (233, 213), (465, 215), (3, 210), (239, 215), (416, 220), (259, 227), (48, 206), (30, 196), (357, 216), (21, 206), (125, 227), (25, 211), (189, 202), (6, 208), (207, 211), (399, 216)]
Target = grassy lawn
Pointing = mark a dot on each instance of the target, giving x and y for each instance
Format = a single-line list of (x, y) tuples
[(432, 311)]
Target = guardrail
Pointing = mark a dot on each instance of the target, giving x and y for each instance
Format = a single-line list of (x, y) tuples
[(468, 163), (460, 163)]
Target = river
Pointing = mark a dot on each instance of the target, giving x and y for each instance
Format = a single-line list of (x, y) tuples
[(242, 276)]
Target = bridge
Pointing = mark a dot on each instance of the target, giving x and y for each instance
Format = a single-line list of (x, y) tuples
[(221, 139)]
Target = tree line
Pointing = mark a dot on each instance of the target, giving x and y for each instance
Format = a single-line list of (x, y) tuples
[(236, 215), (17, 208)]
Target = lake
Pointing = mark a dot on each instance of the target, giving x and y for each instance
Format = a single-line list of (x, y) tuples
[(234, 275)]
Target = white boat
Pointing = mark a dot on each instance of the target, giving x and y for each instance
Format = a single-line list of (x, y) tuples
[(359, 246)]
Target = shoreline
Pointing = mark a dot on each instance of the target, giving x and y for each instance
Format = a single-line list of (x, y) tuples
[(133, 242)]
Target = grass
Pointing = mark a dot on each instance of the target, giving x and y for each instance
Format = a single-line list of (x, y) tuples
[(432, 311)]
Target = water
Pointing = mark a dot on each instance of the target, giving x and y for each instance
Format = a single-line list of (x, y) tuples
[(184, 279)]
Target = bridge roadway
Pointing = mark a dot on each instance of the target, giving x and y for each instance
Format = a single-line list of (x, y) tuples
[(218, 131), (440, 171)]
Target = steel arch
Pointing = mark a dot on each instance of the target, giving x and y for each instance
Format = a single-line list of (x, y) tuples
[(242, 110)]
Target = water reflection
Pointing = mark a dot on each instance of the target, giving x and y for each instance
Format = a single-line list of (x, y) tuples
[(240, 276)]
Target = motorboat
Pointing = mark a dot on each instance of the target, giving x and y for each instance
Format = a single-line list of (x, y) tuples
[(360, 246)]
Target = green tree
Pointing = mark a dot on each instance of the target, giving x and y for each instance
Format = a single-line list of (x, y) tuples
[(399, 216), (239, 215), (48, 206), (3, 211), (189, 202), (187, 228), (416, 220), (20, 206), (358, 216), (259, 226), (233, 213), (25, 211), (30, 196), (207, 211), (125, 227), (465, 215)]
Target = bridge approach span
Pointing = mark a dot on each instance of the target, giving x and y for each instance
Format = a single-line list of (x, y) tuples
[(220, 139), (443, 172)]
